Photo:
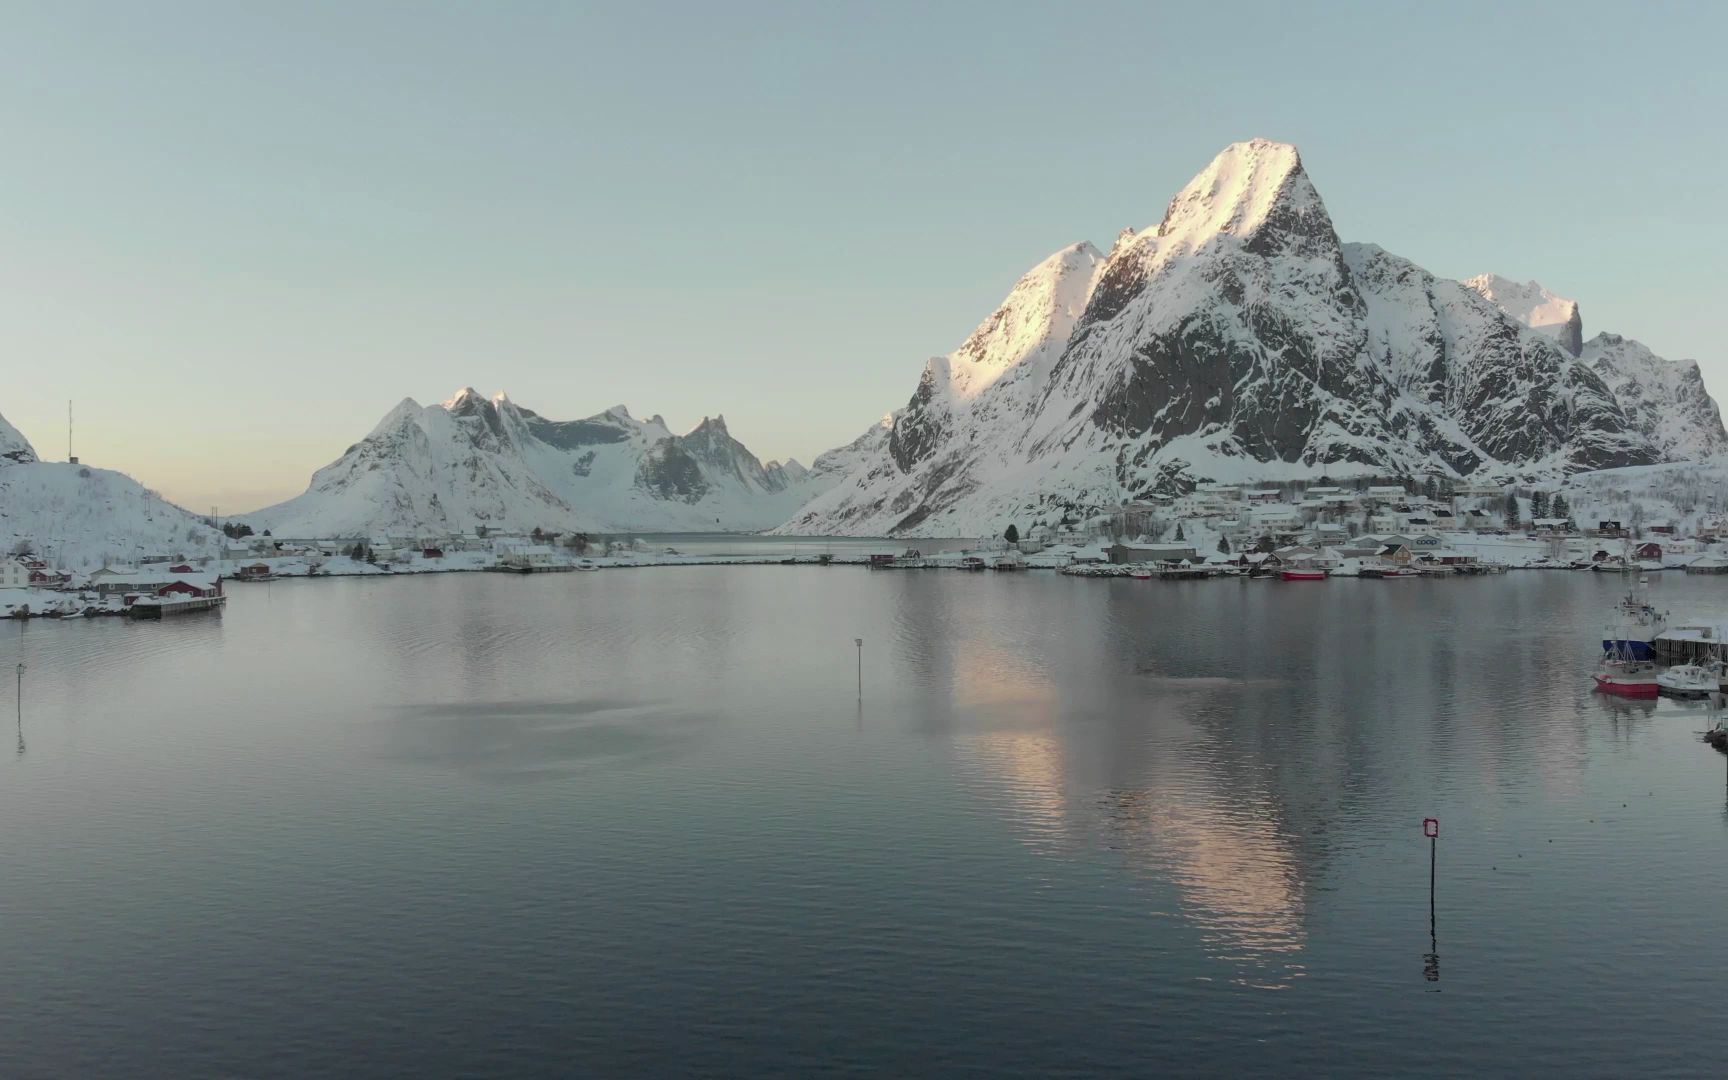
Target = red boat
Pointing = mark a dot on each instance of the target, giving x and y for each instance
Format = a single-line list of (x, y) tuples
[(1302, 575), (1627, 678)]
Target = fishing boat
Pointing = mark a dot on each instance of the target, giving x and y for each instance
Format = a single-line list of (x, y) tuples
[(1302, 575), (1626, 678), (1140, 573), (1635, 628), (1688, 681)]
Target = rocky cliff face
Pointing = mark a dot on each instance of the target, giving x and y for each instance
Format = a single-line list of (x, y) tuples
[(1238, 339), (1665, 399), (15, 449), (476, 461)]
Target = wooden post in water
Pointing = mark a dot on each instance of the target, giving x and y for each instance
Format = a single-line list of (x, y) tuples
[(860, 643)]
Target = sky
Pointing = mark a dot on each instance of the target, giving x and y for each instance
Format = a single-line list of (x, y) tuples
[(237, 233)]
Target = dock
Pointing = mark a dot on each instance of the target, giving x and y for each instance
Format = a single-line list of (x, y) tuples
[(160, 607)]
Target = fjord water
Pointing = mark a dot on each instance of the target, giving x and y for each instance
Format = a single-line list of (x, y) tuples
[(639, 822)]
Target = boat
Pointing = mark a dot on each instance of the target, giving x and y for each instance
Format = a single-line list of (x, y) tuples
[(1634, 632), (1625, 677), (1614, 564), (1140, 573), (1302, 575), (1688, 681), (1389, 571)]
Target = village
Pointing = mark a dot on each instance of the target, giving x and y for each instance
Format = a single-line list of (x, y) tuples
[(1289, 532)]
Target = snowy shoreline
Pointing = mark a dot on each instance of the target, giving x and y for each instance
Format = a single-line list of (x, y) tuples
[(1073, 561)]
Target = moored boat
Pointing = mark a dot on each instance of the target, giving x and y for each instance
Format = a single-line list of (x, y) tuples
[(1633, 634), (1627, 678), (1688, 681), (1302, 575)]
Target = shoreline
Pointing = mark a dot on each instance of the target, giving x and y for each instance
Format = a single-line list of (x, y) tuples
[(38, 603)]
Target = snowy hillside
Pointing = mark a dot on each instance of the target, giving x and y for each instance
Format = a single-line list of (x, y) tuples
[(1688, 495), (471, 461), (80, 519), (1240, 339)]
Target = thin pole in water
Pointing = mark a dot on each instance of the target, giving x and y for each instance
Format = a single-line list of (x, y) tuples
[(1431, 962), (860, 643)]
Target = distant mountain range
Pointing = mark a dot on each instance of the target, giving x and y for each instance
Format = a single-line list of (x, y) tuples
[(1237, 340), (473, 461), (1240, 339)]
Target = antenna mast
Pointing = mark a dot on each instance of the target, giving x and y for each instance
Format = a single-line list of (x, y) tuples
[(70, 456)]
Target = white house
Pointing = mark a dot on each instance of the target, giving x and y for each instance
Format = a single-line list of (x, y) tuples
[(527, 558), (14, 573)]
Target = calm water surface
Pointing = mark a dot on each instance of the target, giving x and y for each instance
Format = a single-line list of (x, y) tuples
[(639, 822)]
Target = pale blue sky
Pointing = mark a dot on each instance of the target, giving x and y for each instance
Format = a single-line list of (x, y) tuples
[(238, 233)]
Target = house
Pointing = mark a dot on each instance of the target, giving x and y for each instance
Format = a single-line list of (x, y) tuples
[(1448, 557), (1306, 557), (1549, 524), (1389, 493), (191, 585), (1609, 528), (14, 573), (1664, 528), (1425, 543), (1138, 553), (1398, 554), (181, 568), (1479, 490), (1649, 550), (115, 581), (432, 553), (528, 558), (253, 571), (1277, 520)]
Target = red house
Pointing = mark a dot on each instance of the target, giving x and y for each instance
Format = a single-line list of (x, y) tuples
[(187, 588), (1649, 551), (181, 568)]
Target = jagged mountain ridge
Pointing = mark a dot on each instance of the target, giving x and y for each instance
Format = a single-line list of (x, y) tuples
[(472, 461), (1665, 399), (1239, 339)]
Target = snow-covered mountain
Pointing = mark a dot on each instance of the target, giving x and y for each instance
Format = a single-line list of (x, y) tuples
[(1238, 339), (81, 518), (1665, 399), (1535, 307), (471, 461)]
